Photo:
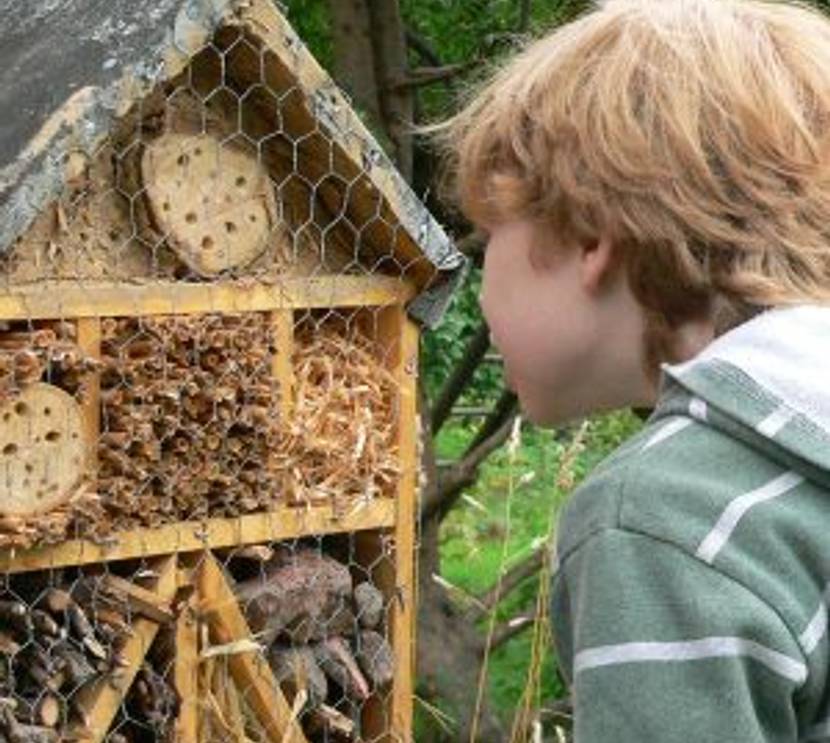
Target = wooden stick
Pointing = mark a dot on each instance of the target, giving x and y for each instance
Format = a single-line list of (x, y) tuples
[(250, 671), (100, 701)]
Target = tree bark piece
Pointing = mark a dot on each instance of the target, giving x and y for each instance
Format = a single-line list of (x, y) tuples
[(339, 664), (297, 669), (304, 597), (369, 605), (375, 658)]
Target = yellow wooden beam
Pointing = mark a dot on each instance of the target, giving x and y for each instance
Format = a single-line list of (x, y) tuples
[(249, 670), (283, 366), (101, 699), (67, 299), (89, 341), (287, 522), (186, 673)]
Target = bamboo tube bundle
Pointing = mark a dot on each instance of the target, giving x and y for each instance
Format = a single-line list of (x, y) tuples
[(340, 446), (43, 351), (189, 416)]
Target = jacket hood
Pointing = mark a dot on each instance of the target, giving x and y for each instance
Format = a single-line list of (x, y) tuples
[(766, 382)]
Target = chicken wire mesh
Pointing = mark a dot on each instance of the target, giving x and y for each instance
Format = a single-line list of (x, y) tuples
[(205, 428)]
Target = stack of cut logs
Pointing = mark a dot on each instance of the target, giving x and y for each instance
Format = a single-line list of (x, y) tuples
[(56, 651), (325, 635), (189, 418)]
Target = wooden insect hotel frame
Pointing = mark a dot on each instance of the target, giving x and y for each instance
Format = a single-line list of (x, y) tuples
[(212, 284)]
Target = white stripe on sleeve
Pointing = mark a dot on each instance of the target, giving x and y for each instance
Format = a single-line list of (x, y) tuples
[(815, 629), (667, 431), (775, 421), (705, 648), (736, 510)]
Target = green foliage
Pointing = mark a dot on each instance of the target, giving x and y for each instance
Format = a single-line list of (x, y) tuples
[(444, 347), (310, 19)]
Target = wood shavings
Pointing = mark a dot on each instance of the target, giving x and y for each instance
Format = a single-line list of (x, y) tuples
[(340, 446)]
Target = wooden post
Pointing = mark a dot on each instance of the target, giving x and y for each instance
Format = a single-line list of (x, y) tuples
[(249, 669), (186, 668), (89, 341), (394, 570), (102, 699), (283, 364)]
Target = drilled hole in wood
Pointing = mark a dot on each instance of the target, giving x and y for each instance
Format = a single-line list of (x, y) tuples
[(252, 217), (207, 242), (84, 237), (28, 467), (10, 449), (47, 411), (190, 218), (53, 436), (21, 408), (166, 206), (241, 181), (183, 160), (114, 235), (230, 227)]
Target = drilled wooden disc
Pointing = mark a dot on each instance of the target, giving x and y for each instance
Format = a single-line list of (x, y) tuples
[(41, 450), (213, 202)]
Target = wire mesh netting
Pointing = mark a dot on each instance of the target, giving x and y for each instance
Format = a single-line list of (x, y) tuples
[(207, 428)]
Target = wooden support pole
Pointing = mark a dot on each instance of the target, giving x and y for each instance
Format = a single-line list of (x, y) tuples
[(186, 669), (392, 553), (286, 522), (283, 365), (249, 670), (89, 341), (102, 698)]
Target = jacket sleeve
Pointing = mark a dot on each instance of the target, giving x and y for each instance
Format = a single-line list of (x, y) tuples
[(660, 647)]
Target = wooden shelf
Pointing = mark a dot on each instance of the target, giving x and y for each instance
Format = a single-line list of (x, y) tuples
[(288, 522), (67, 299)]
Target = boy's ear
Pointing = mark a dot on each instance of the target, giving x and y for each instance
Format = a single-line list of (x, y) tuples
[(598, 263)]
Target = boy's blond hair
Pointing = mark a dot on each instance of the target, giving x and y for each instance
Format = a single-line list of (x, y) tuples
[(694, 133)]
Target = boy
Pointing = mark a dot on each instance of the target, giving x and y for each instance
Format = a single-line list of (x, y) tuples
[(655, 182)]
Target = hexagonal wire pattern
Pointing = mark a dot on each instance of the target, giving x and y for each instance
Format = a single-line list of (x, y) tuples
[(215, 307)]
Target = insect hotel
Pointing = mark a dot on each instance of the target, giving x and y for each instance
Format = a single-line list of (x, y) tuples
[(211, 287)]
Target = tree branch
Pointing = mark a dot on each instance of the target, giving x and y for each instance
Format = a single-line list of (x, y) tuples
[(510, 629), (503, 410), (421, 76), (460, 377), (509, 582), (424, 49), (524, 15), (453, 479)]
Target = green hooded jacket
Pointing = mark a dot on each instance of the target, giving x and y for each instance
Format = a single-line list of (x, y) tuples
[(692, 569)]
